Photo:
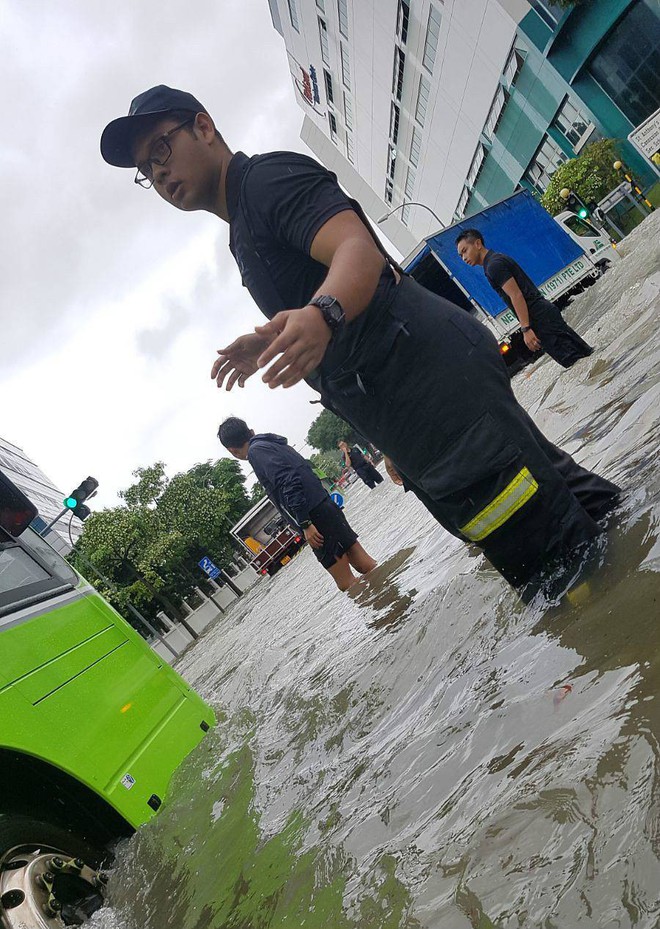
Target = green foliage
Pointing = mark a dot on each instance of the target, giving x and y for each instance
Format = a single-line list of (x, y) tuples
[(590, 175), (326, 430), (256, 493), (150, 546), (328, 462)]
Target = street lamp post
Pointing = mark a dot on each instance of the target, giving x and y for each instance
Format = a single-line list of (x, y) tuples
[(410, 203)]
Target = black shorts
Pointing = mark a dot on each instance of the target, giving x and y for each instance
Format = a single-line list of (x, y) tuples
[(338, 536)]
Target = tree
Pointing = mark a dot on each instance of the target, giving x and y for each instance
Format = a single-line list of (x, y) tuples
[(331, 463), (150, 546), (326, 430), (590, 175)]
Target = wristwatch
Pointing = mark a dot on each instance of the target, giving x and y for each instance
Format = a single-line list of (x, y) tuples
[(525, 328), (305, 524), (331, 310)]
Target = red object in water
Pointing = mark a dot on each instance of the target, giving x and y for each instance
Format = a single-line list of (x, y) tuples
[(561, 693)]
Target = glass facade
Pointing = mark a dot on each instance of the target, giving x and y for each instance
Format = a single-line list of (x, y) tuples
[(476, 166), (394, 123), (323, 39), (627, 64), (397, 77), (345, 67), (423, 94), (544, 164), (495, 113), (571, 122), (402, 20), (342, 11), (432, 36), (415, 146), (327, 79), (293, 14), (348, 112)]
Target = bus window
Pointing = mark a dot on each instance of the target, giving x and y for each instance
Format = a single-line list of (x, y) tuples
[(17, 569)]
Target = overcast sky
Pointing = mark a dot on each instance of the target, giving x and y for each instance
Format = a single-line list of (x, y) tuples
[(113, 303)]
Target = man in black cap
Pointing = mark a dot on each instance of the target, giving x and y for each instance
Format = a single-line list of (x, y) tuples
[(417, 376), (542, 324)]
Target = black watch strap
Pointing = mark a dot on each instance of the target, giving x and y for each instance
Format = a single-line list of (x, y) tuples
[(525, 328), (305, 524), (331, 310)]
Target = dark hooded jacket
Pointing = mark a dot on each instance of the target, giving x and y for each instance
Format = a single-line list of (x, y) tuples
[(286, 477)]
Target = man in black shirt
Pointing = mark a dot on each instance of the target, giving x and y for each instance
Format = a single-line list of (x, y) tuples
[(417, 376), (355, 458), (541, 322), (301, 498)]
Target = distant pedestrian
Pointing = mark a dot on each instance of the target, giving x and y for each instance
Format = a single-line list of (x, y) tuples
[(542, 324), (301, 498), (355, 458)]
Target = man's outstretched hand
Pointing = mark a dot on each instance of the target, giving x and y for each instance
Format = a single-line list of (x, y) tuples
[(300, 338), (238, 361)]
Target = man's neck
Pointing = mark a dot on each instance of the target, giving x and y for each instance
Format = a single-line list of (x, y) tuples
[(219, 207)]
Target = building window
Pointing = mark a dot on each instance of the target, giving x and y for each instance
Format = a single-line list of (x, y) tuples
[(415, 146), (293, 14), (402, 20), (321, 5), (410, 183), (350, 150), (342, 9), (389, 190), (423, 94), (627, 64), (394, 123), (348, 112), (432, 36), (495, 112), (549, 12), (544, 164), (572, 124), (397, 77), (323, 38), (476, 166), (327, 77), (512, 68), (333, 127), (405, 214), (462, 202), (345, 67), (391, 161)]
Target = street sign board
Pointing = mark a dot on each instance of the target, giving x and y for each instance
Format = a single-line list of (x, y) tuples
[(209, 568), (646, 139), (337, 498)]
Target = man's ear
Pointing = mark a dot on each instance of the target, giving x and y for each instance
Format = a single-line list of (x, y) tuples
[(205, 126)]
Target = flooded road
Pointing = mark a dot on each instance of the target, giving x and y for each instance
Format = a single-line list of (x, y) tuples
[(429, 752)]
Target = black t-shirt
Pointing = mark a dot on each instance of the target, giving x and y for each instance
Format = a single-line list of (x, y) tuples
[(499, 268), (357, 458), (285, 199)]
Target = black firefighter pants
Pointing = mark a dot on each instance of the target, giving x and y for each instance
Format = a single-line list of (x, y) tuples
[(426, 384)]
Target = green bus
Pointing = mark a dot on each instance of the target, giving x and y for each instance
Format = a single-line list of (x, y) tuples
[(92, 726)]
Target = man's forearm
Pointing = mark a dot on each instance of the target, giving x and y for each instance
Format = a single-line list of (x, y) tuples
[(521, 310), (353, 275)]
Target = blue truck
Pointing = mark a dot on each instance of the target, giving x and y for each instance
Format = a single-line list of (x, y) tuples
[(560, 255)]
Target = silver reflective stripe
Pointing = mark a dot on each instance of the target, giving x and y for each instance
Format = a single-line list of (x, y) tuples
[(505, 504)]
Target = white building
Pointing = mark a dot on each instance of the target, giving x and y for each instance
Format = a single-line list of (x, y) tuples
[(399, 96), (41, 491)]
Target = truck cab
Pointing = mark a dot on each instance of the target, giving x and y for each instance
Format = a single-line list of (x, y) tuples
[(594, 242)]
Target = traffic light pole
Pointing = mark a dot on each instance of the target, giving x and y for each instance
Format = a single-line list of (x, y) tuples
[(53, 521)]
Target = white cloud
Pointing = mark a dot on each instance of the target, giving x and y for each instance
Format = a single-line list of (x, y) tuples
[(112, 304)]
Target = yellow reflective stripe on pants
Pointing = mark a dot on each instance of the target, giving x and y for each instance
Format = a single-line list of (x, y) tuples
[(505, 504)]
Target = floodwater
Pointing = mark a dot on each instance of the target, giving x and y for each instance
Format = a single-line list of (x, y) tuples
[(429, 752)]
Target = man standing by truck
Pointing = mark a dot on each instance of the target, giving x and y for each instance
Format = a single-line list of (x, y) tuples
[(355, 458), (410, 371), (542, 324), (301, 498)]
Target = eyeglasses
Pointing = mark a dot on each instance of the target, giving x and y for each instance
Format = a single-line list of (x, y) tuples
[(160, 154)]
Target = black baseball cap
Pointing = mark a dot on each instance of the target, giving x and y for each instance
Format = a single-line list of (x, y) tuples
[(118, 136)]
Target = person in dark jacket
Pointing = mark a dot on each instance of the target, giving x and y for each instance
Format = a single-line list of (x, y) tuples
[(301, 498), (355, 458), (416, 375), (542, 324)]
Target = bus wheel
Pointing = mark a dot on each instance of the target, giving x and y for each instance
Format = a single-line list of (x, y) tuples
[(49, 877)]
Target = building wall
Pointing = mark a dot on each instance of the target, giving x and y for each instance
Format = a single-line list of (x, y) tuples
[(506, 74), (20, 469)]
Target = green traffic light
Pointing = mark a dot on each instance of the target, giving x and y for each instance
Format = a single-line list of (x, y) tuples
[(70, 503), (583, 213)]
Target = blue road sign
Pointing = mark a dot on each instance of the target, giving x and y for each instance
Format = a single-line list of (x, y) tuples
[(337, 498), (209, 568)]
